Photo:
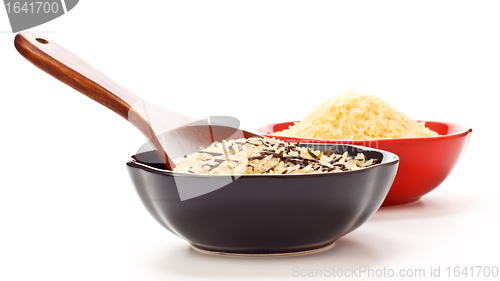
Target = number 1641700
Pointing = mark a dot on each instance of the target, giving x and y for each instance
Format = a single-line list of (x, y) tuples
[(32, 8)]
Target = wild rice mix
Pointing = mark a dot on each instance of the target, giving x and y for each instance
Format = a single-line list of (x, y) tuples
[(267, 156)]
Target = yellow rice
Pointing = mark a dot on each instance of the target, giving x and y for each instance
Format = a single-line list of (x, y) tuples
[(356, 116)]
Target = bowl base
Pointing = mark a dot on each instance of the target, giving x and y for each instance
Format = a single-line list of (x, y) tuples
[(401, 203), (317, 250)]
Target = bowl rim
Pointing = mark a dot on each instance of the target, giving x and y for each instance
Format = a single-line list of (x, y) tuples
[(389, 158), (463, 132)]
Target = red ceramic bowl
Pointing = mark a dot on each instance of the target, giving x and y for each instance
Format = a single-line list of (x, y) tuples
[(424, 162)]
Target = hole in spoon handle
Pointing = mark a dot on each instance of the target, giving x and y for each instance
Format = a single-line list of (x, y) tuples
[(41, 40)]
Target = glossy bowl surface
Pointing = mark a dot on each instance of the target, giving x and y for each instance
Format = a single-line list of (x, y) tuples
[(424, 162), (264, 214)]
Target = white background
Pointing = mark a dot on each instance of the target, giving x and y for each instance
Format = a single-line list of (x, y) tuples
[(68, 210)]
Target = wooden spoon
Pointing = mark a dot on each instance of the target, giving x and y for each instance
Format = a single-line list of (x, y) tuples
[(172, 134)]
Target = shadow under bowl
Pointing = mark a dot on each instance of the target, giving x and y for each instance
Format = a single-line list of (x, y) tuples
[(264, 214), (425, 162)]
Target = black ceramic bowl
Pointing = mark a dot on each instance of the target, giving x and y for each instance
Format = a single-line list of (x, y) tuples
[(265, 214)]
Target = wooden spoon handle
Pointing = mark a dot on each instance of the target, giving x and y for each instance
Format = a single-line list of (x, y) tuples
[(75, 72), (80, 75)]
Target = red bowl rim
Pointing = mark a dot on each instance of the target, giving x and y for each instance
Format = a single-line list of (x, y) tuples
[(462, 129)]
